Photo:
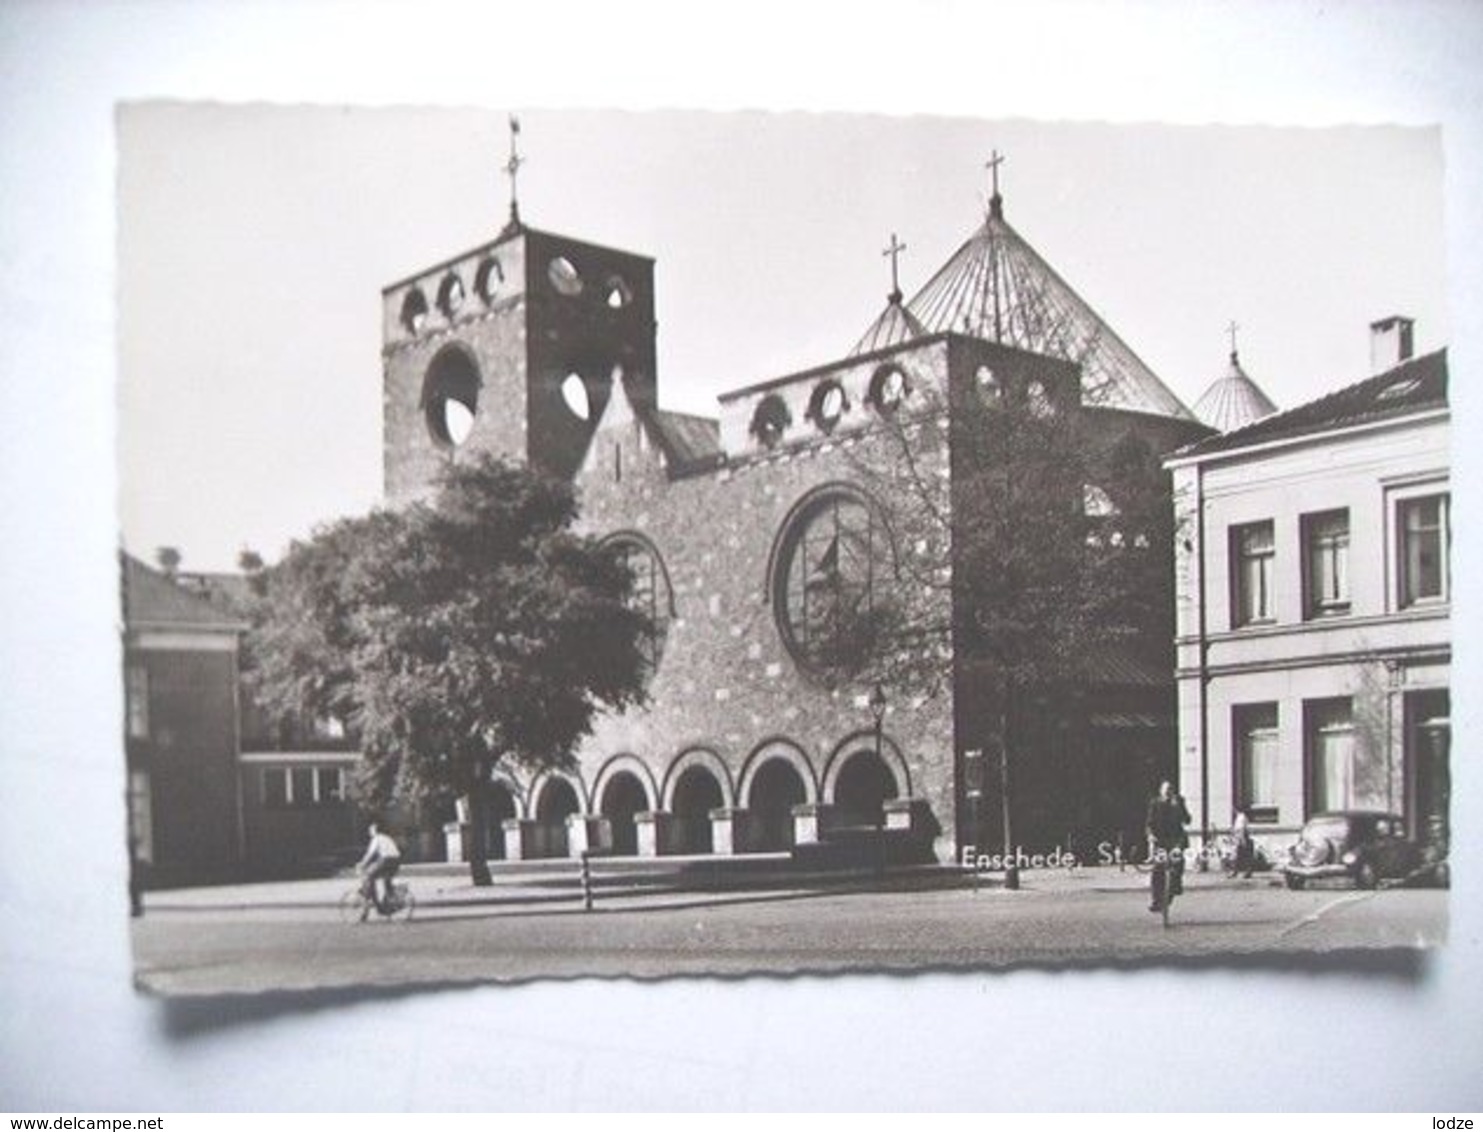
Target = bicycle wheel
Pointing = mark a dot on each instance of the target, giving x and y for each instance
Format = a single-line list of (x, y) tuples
[(353, 906), (404, 904)]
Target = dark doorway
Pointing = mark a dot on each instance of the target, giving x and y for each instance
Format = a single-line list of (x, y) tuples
[(623, 797), (697, 793), (776, 788), (863, 785), (1429, 749), (558, 801), (501, 807)]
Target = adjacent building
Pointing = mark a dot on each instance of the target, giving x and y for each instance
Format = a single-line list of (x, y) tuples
[(1314, 604)]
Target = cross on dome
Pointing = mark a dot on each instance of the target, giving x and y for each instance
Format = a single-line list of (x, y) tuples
[(1231, 329), (996, 202), (894, 250)]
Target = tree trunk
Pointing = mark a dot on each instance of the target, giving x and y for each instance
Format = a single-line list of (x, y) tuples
[(479, 828)]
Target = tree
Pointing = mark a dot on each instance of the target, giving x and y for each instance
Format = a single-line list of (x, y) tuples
[(1028, 546), (452, 635)]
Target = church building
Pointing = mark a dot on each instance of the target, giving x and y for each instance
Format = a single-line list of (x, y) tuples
[(748, 532)]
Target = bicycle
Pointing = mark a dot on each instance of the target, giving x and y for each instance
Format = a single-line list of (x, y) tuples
[(356, 905), (1166, 881)]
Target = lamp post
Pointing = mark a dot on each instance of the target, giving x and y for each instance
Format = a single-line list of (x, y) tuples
[(878, 712)]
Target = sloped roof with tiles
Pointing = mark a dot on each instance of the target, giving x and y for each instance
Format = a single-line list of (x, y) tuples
[(1412, 387)]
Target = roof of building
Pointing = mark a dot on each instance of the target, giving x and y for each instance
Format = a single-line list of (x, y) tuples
[(892, 327), (152, 598), (687, 439), (1411, 387), (1233, 400), (998, 287)]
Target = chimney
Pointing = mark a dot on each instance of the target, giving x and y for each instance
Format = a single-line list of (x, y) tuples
[(1390, 342)]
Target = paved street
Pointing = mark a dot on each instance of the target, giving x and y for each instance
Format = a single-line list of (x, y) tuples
[(289, 936)]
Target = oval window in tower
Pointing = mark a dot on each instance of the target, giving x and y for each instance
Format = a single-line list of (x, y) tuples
[(450, 397), (574, 394), (564, 276), (450, 295), (888, 389), (827, 405), (489, 279), (770, 420), (618, 293), (414, 311)]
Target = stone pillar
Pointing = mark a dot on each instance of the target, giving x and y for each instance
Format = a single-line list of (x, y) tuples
[(729, 831), (652, 827), (453, 841), (520, 839), (811, 820)]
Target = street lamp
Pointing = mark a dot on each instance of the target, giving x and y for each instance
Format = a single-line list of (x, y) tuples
[(878, 712)]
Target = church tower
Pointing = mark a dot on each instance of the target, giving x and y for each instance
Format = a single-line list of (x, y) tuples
[(513, 349)]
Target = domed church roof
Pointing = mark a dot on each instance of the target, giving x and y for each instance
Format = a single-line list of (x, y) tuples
[(1233, 401), (894, 326), (998, 287)]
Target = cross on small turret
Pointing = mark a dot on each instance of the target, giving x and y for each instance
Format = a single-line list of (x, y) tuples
[(894, 250), (1231, 328), (512, 169), (996, 202)]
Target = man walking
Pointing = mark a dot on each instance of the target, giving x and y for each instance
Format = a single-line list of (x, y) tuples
[(1167, 841)]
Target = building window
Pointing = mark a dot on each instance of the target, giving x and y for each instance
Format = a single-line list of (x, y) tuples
[(1326, 563), (1328, 727), (450, 397), (1423, 536), (136, 701), (414, 311), (1254, 732), (141, 816), (834, 559), (300, 786), (1252, 554), (770, 420), (828, 405), (650, 594), (888, 389)]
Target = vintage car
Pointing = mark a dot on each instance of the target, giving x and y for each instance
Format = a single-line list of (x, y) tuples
[(1363, 846)]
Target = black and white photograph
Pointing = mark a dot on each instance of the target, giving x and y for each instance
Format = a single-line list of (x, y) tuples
[(800, 557), (647, 544)]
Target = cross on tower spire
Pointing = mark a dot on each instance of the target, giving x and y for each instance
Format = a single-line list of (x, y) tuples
[(1231, 328), (894, 250), (512, 169), (996, 202)]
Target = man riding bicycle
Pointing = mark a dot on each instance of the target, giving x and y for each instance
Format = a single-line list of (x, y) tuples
[(1167, 841), (382, 860)]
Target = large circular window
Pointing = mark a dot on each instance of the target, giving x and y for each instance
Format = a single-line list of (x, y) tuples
[(832, 566), (450, 397)]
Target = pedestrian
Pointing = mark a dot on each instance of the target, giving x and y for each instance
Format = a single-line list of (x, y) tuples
[(1245, 859), (1167, 841), (382, 860)]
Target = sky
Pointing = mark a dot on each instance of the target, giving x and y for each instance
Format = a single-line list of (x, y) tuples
[(253, 242)]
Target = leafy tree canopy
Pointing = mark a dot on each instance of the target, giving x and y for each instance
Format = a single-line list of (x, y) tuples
[(453, 634)]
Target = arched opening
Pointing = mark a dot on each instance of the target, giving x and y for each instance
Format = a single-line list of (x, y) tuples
[(500, 803), (864, 784), (696, 794), (450, 397), (622, 798), (776, 788), (557, 802)]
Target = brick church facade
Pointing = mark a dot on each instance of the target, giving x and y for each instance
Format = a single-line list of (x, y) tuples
[(541, 349)]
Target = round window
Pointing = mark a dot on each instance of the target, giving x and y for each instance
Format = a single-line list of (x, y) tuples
[(770, 420), (828, 405), (832, 568), (490, 279), (988, 385), (450, 295), (888, 389), (414, 311)]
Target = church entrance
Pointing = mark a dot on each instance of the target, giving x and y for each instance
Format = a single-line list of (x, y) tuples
[(697, 793), (864, 785), (776, 789), (557, 802), (622, 798)]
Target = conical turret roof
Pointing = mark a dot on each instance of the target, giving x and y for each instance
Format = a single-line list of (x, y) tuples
[(998, 287), (892, 327), (1233, 400)]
